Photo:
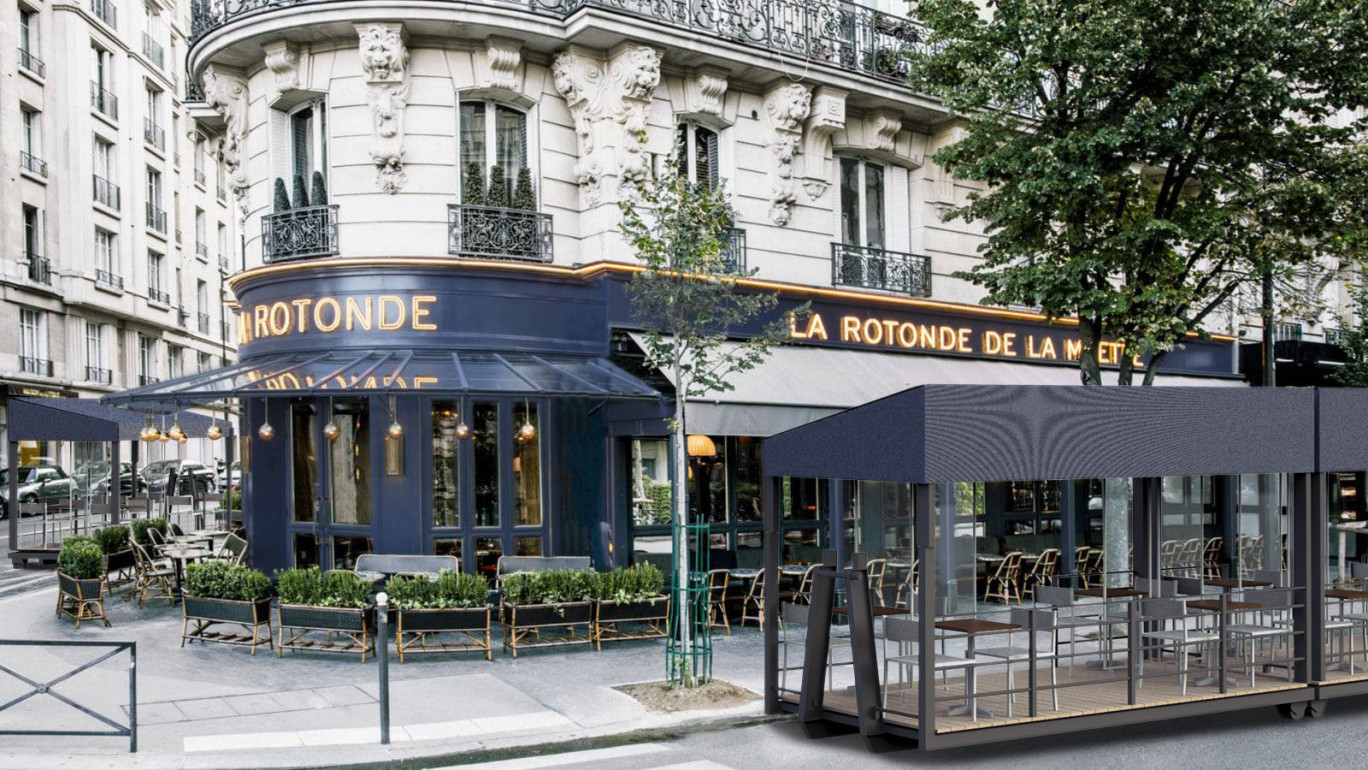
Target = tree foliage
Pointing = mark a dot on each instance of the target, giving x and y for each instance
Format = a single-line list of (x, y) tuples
[(472, 185), (1355, 344), (281, 197), (1152, 157)]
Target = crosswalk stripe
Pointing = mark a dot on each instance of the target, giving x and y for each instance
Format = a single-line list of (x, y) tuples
[(568, 758)]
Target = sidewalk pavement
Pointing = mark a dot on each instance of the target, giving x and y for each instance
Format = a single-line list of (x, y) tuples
[(216, 706)]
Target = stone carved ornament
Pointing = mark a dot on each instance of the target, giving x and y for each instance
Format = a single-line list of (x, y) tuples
[(503, 64), (385, 60), (227, 95), (282, 58), (704, 89), (786, 107), (827, 116)]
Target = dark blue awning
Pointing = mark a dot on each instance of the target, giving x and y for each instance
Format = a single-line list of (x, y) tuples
[(82, 419)]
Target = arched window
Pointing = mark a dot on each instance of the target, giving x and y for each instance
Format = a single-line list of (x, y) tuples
[(699, 145), (492, 134)]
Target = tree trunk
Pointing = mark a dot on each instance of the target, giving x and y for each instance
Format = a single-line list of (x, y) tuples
[(1125, 376), (1270, 365), (681, 544), (1089, 332), (1152, 369)]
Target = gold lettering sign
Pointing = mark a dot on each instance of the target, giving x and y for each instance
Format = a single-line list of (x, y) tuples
[(327, 315)]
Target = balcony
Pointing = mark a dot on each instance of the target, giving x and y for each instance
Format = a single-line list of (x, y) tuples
[(103, 101), (156, 218), (182, 317), (32, 164), (299, 233), (105, 12), (203, 323), (153, 51), (223, 264), (733, 254), (865, 267), (40, 269), (202, 251), (154, 135), (108, 280), (157, 295), (488, 232), (199, 177), (96, 374), (27, 61), (106, 193), (38, 366), (146, 379), (843, 35)]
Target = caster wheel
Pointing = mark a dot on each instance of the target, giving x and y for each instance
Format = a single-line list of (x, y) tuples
[(1292, 711), (1316, 709)]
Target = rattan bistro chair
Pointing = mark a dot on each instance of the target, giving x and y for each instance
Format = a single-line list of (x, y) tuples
[(155, 579), (1005, 583), (1043, 570), (717, 598), (1211, 557)]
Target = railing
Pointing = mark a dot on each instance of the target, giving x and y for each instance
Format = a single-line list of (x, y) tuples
[(103, 101), (866, 267), (221, 193), (1286, 331), (157, 295), (202, 251), (32, 164), (40, 269), (193, 92), (225, 330), (840, 34), (96, 374), (106, 193), (203, 323), (299, 233), (105, 12), (199, 177), (156, 217), (733, 253), (39, 366), (182, 317), (106, 278), (32, 63), (1341, 337), (147, 379), (48, 687), (153, 134), (153, 51), (499, 233), (223, 264)]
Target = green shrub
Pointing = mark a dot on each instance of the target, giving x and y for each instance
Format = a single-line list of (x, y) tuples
[(300, 586), (472, 185), (301, 193), (81, 558), (450, 589), (234, 502), (625, 586), (551, 587), (336, 588), (282, 198), (225, 580), (320, 190), (342, 588), (498, 187), (524, 195), (112, 539), (141, 526)]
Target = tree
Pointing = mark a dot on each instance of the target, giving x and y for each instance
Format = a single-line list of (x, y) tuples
[(301, 193), (472, 185), (524, 195), (1143, 161), (686, 301), (1355, 344), (282, 198), (319, 194), (498, 187)]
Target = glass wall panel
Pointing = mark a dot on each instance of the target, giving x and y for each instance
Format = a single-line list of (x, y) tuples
[(446, 472), (484, 434), (881, 529), (649, 472), (1187, 509), (447, 546), (527, 546), (527, 499), (351, 464), (487, 553), (708, 484), (346, 549), (1347, 522), (1260, 548), (305, 549), (304, 461), (744, 453)]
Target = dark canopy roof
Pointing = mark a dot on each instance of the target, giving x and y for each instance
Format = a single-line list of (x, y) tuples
[(392, 372), (947, 433), (81, 419)]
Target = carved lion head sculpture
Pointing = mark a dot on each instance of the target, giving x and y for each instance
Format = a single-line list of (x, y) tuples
[(383, 54)]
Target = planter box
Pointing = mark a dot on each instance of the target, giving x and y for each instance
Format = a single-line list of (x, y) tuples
[(651, 617), (524, 625), (122, 568), (204, 613), (417, 631), (81, 598), (304, 622)]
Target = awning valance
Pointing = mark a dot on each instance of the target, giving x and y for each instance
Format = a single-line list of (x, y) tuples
[(82, 419), (394, 372)]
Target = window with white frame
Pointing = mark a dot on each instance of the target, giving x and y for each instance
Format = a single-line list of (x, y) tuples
[(699, 163), (492, 134), (153, 105), (861, 192), (33, 353), (154, 188), (154, 277), (102, 67), (175, 361), (33, 232), (202, 297), (28, 32), (222, 240), (308, 141), (106, 258), (32, 127), (205, 362), (95, 349), (147, 359), (198, 160), (104, 159)]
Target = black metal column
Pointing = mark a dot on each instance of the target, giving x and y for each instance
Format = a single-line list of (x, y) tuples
[(816, 647), (923, 530), (1145, 520), (229, 449), (14, 515), (835, 508), (1307, 533), (114, 492), (868, 700), (772, 497), (1228, 497)]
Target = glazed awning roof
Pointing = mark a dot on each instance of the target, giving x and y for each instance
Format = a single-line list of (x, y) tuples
[(394, 372), (83, 419)]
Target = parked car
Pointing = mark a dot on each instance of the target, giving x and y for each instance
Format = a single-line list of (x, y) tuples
[(155, 475), (223, 480), (37, 484), (96, 475)]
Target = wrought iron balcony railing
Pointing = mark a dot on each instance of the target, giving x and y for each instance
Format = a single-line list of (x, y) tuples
[(106, 193), (203, 323), (40, 269), (193, 92), (147, 379), (830, 32), (199, 177), (153, 51), (866, 267), (156, 218), (734, 250), (32, 63), (202, 251), (299, 233), (153, 134), (105, 11), (157, 295), (96, 374), (490, 232), (32, 164), (103, 101), (39, 366), (182, 318), (108, 279)]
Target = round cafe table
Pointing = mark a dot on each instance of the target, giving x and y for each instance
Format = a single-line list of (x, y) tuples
[(180, 556)]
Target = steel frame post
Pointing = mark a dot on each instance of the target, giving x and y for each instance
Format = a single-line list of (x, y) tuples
[(867, 694), (1308, 521), (772, 497), (816, 646), (923, 530)]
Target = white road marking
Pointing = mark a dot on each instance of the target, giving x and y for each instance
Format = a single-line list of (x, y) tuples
[(460, 728), (568, 758)]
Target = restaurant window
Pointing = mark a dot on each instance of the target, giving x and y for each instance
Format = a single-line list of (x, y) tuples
[(527, 546), (707, 478), (527, 499), (447, 546), (305, 549), (492, 134), (744, 452), (698, 144), (487, 553), (345, 549), (308, 142), (484, 432), (862, 203), (303, 458), (351, 464), (446, 469)]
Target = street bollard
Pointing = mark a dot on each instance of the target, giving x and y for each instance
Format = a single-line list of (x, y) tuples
[(382, 656)]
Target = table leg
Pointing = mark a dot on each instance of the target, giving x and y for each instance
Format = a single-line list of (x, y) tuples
[(1343, 663), (971, 707)]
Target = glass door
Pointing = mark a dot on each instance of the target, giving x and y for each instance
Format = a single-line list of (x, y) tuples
[(331, 497)]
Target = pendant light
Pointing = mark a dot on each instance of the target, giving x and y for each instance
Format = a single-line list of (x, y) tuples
[(162, 435), (148, 434), (527, 431), (330, 430), (176, 432), (213, 432), (266, 431), (395, 430), (462, 430)]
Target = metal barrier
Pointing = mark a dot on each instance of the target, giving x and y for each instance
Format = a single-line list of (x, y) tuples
[(46, 688)]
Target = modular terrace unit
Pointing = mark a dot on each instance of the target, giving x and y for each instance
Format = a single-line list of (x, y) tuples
[(1139, 635)]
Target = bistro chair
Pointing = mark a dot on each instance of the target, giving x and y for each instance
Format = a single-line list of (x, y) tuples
[(156, 539), (1254, 634), (1187, 558), (234, 549), (754, 600), (907, 633), (1093, 568), (798, 615), (1357, 573), (1044, 568), (908, 588), (804, 593), (155, 579), (1058, 599), (1005, 583), (1179, 638), (1211, 557), (1081, 555), (717, 598), (1010, 653), (876, 569)]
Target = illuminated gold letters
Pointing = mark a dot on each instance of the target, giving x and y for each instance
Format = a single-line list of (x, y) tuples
[(400, 312), (327, 326), (383, 312), (279, 319), (354, 314), (421, 312), (302, 313)]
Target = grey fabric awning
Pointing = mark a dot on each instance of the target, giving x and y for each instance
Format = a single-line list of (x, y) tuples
[(799, 384)]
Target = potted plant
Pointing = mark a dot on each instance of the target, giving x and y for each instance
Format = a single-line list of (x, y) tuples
[(80, 580), (633, 596), (452, 603), (543, 609), (336, 603), (141, 526), (222, 592), (118, 552)]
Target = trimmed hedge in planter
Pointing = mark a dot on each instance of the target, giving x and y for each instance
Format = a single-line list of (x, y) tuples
[(631, 596), (118, 550), (546, 609), (335, 603), (454, 603), (219, 592), (80, 580)]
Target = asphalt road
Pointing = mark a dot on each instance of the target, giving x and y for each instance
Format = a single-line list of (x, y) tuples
[(1249, 740)]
